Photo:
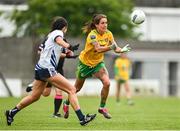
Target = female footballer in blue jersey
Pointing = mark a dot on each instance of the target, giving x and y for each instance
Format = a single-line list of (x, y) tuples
[(58, 93), (45, 71)]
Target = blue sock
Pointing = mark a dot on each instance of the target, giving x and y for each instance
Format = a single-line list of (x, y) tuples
[(14, 111), (79, 114)]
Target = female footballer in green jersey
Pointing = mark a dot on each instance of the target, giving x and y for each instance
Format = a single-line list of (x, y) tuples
[(91, 59)]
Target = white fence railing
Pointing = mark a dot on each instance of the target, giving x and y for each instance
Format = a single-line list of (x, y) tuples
[(15, 87), (138, 87), (91, 87)]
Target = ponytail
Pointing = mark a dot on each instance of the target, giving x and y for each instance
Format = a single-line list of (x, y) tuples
[(91, 25), (88, 27)]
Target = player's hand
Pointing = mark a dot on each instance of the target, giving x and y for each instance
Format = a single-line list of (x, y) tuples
[(73, 47), (73, 56), (126, 48), (117, 50)]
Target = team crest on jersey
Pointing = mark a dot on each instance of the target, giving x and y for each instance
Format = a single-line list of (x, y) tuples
[(93, 37), (106, 40)]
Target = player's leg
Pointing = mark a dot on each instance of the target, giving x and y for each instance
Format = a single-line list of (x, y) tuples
[(81, 69), (62, 83), (128, 93), (102, 74), (78, 84), (47, 90), (57, 98), (38, 88), (118, 88), (57, 102)]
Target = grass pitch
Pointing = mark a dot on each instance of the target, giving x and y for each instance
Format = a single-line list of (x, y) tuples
[(148, 113)]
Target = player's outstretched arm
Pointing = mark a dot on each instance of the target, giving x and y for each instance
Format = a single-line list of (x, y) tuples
[(126, 48)]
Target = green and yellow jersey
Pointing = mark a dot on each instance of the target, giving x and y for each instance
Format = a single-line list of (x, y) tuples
[(89, 56), (121, 68)]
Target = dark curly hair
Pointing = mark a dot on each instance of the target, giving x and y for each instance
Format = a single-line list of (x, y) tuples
[(58, 23)]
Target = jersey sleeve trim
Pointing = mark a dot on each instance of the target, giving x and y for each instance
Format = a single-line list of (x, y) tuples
[(56, 37)]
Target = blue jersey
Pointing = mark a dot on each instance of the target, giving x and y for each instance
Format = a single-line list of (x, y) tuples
[(50, 52)]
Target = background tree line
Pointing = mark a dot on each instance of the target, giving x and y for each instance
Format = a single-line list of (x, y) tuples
[(35, 21)]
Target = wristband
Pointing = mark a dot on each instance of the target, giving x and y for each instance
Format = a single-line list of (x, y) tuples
[(112, 47)]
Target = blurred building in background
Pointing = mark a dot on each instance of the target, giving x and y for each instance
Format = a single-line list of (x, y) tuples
[(158, 3), (156, 57)]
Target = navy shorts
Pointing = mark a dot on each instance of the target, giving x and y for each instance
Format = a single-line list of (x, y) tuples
[(44, 74)]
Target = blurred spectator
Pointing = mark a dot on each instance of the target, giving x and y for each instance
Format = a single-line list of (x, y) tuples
[(121, 69)]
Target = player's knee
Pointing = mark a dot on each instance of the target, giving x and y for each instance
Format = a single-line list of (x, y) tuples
[(77, 90), (106, 84), (72, 90), (45, 94)]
